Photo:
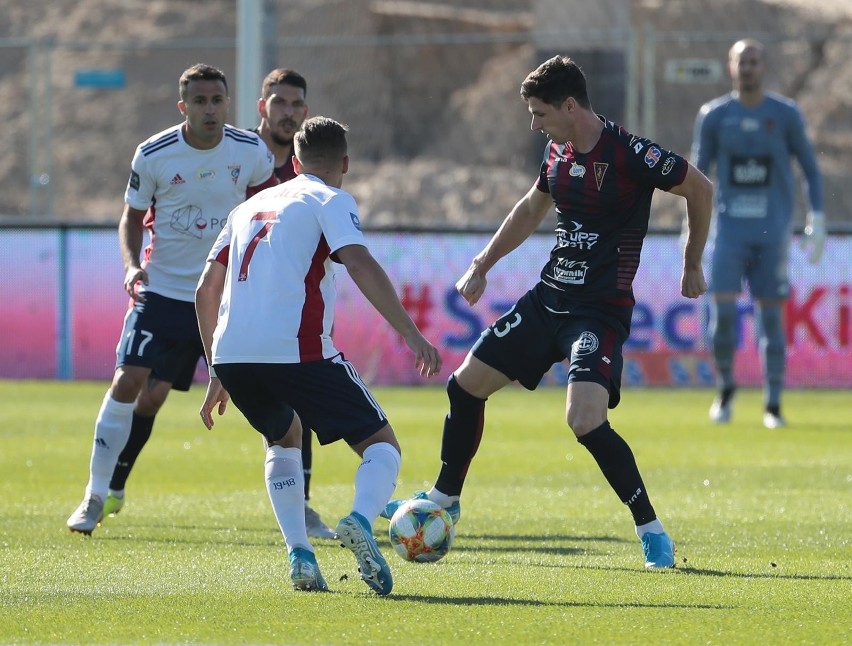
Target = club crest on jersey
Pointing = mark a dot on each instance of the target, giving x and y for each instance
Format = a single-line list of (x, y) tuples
[(355, 220), (652, 156), (235, 172), (577, 170), (600, 171)]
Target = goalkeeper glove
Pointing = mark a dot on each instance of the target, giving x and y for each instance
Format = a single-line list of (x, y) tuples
[(814, 238)]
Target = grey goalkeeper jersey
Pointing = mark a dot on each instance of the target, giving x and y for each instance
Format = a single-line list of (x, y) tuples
[(753, 149)]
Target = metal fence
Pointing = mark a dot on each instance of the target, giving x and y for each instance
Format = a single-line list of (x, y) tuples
[(439, 134)]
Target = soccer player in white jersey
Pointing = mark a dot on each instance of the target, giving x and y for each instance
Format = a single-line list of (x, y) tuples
[(265, 308), (183, 183), (752, 136)]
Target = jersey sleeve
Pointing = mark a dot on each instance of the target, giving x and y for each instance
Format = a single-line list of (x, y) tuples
[(703, 141), (221, 248), (542, 184), (804, 152), (340, 222), (654, 165), (264, 168), (142, 185)]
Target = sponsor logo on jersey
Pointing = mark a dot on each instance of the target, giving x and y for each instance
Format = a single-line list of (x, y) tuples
[(668, 165), (750, 171), (586, 344), (749, 125), (207, 173), (355, 220), (652, 156), (600, 171), (177, 179), (577, 170), (235, 172), (571, 271), (189, 221), (133, 182), (576, 239)]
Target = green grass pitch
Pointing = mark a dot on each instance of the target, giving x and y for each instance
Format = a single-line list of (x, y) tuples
[(544, 554)]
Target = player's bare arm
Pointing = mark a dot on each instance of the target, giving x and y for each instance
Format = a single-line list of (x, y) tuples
[(698, 192), (131, 232), (522, 221), (208, 296), (374, 283)]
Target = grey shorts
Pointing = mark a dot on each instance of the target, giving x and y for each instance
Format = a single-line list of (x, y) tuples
[(763, 267)]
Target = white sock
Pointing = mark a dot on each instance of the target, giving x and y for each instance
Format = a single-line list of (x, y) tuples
[(285, 484), (654, 527), (116, 493), (375, 480), (112, 428), (441, 498)]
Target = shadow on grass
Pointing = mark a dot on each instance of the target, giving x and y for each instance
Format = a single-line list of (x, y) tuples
[(764, 575), (503, 601)]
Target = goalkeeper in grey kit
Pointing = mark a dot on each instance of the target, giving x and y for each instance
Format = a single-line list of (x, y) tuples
[(751, 136)]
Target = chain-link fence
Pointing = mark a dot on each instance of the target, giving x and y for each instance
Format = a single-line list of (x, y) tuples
[(439, 134)]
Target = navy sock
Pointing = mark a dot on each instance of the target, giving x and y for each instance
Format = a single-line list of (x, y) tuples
[(140, 431), (462, 435), (618, 465)]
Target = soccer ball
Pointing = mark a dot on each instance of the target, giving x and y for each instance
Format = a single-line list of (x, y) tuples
[(421, 531)]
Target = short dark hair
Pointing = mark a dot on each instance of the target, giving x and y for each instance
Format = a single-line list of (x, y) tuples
[(555, 80), (282, 76), (200, 72), (320, 140)]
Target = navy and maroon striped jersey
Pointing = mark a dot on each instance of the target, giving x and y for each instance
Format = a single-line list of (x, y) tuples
[(603, 204), (285, 171)]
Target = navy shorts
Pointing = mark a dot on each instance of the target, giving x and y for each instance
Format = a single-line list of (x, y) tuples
[(162, 334), (329, 397), (541, 330), (763, 267)]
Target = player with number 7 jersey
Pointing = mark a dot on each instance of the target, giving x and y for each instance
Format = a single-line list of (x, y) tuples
[(278, 247), (265, 308)]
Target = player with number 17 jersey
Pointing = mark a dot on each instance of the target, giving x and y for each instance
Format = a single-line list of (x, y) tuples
[(289, 283), (188, 193)]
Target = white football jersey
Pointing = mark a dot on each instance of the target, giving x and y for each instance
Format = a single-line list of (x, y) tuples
[(278, 301), (188, 194)]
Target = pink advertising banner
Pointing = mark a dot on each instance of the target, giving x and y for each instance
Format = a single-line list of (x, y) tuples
[(63, 308)]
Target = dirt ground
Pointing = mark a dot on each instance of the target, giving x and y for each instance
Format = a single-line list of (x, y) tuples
[(439, 139)]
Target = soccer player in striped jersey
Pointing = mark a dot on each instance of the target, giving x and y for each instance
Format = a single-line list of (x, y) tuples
[(752, 136), (600, 179), (283, 108), (265, 307), (183, 183)]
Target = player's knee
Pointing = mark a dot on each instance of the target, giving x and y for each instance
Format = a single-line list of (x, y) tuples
[(458, 395), (582, 418), (148, 403), (127, 384), (723, 320)]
